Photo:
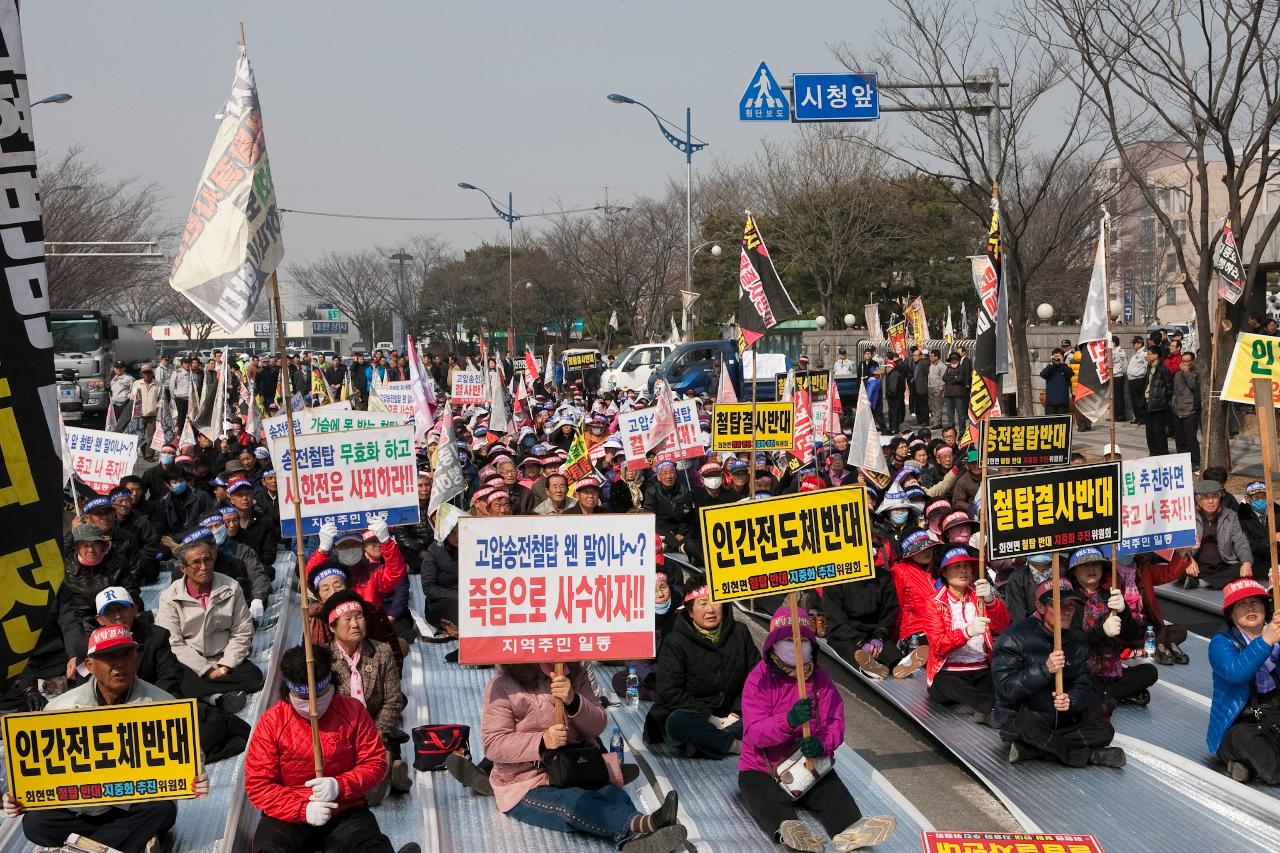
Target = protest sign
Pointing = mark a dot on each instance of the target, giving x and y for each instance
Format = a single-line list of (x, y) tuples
[(580, 360), (686, 443), (274, 427), (787, 543), (732, 429), (521, 367), (1028, 442), (101, 458), (107, 755), (1254, 357), (1008, 842), (349, 478), (468, 388), (318, 422), (1053, 510), (397, 399), (539, 589), (1158, 510), (813, 381)]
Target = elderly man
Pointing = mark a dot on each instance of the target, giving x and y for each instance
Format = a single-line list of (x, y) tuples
[(209, 627), (130, 827), (259, 530), (1223, 553), (90, 568)]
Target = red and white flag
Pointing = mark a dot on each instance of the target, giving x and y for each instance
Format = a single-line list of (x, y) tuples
[(724, 390), (803, 450), (530, 365), (664, 423), (835, 409), (424, 395)]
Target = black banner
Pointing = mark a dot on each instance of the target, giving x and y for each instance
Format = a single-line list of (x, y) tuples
[(1028, 442), (813, 381), (30, 466), (580, 361), (762, 300), (1058, 509)]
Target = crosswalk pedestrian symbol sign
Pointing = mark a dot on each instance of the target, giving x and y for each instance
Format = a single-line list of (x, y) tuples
[(764, 99)]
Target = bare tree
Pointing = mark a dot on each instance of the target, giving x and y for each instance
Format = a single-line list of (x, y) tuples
[(355, 282), (1206, 77), (80, 204), (195, 324), (410, 298)]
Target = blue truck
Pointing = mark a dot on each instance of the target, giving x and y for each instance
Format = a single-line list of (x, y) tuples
[(695, 366)]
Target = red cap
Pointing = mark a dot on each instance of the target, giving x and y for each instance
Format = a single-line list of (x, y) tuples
[(109, 637), (1239, 590), (810, 484)]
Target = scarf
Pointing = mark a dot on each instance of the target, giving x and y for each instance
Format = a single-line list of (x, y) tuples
[(713, 636), (1265, 679), (1104, 658), (353, 661), (1129, 587)]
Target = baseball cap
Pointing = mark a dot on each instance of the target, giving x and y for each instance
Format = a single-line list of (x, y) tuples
[(262, 453), (88, 533), (112, 595), (1044, 592), (1239, 590), (1085, 556), (959, 554), (110, 637)]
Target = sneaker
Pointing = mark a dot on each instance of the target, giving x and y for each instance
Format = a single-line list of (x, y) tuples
[(662, 840), (1178, 653), (469, 775), (233, 702), (919, 657), (400, 779), (869, 665), (1107, 756), (867, 832), (1239, 771), (796, 835)]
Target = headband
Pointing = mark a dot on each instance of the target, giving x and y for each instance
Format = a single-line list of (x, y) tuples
[(696, 593), (301, 689), (343, 609), (330, 572)]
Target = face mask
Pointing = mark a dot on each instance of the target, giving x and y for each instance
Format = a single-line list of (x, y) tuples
[(712, 482), (303, 707), (166, 458), (178, 487), (220, 535), (1259, 504), (786, 652), (899, 516), (662, 608), (350, 556)]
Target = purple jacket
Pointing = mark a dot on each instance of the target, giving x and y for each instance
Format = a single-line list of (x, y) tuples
[(767, 696)]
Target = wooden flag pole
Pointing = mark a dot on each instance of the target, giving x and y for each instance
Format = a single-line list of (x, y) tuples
[(1057, 620), (1218, 321), (304, 602), (559, 671), (983, 491), (751, 461), (1264, 405), (793, 604)]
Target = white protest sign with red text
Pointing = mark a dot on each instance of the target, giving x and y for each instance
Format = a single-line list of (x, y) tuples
[(539, 589), (101, 458), (468, 388), (686, 443)]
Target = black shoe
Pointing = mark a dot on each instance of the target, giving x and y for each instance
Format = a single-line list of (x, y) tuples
[(1107, 756), (663, 840), (1164, 656), (1178, 653), (411, 847), (451, 657), (233, 702), (469, 775), (1019, 751), (667, 813), (1141, 699), (1239, 771), (983, 718), (630, 773)]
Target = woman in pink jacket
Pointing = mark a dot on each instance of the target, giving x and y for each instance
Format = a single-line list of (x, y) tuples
[(518, 726), (773, 716)]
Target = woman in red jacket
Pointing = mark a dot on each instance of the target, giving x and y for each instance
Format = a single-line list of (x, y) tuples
[(913, 580), (960, 640), (299, 810), (374, 582)]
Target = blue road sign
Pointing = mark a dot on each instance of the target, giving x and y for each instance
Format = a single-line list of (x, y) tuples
[(764, 99), (835, 97)]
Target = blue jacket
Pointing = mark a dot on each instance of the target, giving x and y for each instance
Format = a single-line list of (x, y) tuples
[(1057, 384), (1233, 670)]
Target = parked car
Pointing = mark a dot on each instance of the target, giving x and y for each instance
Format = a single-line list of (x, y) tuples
[(630, 369)]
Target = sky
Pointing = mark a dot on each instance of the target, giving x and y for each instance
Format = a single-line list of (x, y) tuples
[(382, 107)]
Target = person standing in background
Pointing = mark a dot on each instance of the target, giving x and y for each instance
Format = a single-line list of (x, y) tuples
[(1136, 380), (1119, 364), (1185, 409)]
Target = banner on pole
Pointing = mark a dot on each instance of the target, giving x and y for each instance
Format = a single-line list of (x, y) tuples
[(468, 388), (108, 755), (538, 589), (898, 339), (397, 399), (1057, 509), (732, 429), (787, 543), (580, 360), (277, 425), (1227, 262), (635, 427), (1158, 510), (816, 382), (101, 458), (1254, 357), (349, 478), (1028, 442)]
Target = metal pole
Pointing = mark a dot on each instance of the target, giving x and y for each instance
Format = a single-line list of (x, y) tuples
[(994, 142), (688, 215), (511, 275)]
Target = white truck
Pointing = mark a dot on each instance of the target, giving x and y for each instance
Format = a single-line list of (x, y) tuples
[(630, 370), (89, 342)]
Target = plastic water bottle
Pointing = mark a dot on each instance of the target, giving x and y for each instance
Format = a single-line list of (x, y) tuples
[(633, 688), (1149, 644), (615, 743)]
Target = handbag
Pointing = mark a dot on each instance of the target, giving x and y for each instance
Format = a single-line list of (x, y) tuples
[(579, 765), (432, 744), (794, 776)]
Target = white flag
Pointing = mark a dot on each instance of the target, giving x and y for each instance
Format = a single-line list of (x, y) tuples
[(548, 370), (447, 482), (1093, 384), (613, 320), (424, 398), (231, 242), (498, 418), (864, 445), (948, 331)]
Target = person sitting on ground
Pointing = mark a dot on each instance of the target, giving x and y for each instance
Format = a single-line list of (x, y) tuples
[(395, 605), (557, 501), (1253, 520), (1072, 726), (101, 513), (1244, 720), (112, 661), (520, 723), (667, 496), (1109, 627), (209, 627), (366, 670), (913, 580), (257, 528), (371, 581), (702, 666), (440, 576), (1019, 590), (143, 531), (664, 621), (862, 619), (301, 811), (326, 581), (88, 570), (773, 716), (1223, 553), (961, 637), (182, 506), (1139, 575), (223, 524)]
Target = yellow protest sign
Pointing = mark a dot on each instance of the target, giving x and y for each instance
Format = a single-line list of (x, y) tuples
[(774, 429), (787, 543), (1255, 357), (103, 756)]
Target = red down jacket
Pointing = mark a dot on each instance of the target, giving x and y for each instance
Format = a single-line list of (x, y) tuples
[(279, 760), (371, 582)]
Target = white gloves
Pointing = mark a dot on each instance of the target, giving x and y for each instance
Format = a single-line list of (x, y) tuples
[(256, 608), (328, 533), (318, 814), (978, 626), (983, 588), (1111, 626), (324, 789), (976, 541), (200, 785), (1116, 600), (378, 527)]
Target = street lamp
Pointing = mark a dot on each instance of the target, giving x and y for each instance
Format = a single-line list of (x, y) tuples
[(60, 98), (401, 257), (508, 216), (687, 147)]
